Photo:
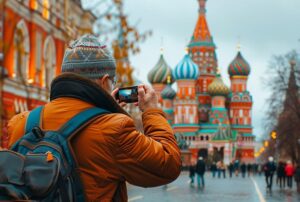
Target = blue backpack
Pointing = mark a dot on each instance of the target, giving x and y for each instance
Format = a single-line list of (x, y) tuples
[(41, 165)]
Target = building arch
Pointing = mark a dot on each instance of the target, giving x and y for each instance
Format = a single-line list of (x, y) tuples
[(21, 51), (49, 58)]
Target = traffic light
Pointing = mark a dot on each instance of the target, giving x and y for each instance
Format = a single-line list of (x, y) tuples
[(274, 135)]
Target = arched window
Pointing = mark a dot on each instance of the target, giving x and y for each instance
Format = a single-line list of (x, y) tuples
[(21, 52), (49, 61)]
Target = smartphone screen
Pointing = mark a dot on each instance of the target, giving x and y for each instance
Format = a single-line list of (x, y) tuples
[(128, 95)]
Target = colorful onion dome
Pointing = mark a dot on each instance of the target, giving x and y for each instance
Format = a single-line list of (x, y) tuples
[(186, 69), (239, 66), (160, 72), (168, 93), (218, 88)]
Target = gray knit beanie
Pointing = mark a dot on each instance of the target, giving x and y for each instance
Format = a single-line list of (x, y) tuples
[(89, 58)]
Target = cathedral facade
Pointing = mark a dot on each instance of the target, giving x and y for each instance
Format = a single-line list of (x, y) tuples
[(209, 119)]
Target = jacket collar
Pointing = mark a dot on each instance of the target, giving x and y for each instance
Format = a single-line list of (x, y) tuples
[(75, 86)]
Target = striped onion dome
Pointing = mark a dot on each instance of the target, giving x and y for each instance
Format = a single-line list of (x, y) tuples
[(218, 88), (186, 69), (239, 66), (160, 72), (168, 93)]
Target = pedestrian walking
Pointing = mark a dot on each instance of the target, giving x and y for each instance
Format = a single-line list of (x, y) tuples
[(213, 169), (192, 173), (230, 169), (260, 169), (289, 172), (255, 168), (281, 174), (108, 148), (236, 167), (219, 169), (200, 170), (223, 169), (297, 177), (269, 169), (243, 169), (249, 169)]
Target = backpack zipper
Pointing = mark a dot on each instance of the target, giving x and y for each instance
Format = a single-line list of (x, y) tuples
[(44, 143)]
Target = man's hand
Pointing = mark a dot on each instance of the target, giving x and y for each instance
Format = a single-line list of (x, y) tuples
[(147, 98), (114, 93)]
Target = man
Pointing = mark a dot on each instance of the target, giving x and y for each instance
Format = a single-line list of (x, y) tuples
[(236, 167), (281, 174), (192, 172), (289, 172), (243, 169), (249, 169), (230, 169), (213, 169), (110, 151), (269, 169), (297, 178), (200, 170)]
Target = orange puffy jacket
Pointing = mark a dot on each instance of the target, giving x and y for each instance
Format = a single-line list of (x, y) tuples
[(110, 151)]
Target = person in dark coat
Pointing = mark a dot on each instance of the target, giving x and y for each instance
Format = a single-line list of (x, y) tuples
[(281, 174), (200, 170), (230, 169), (192, 173), (269, 169), (297, 177), (236, 166), (213, 169), (243, 169), (249, 169)]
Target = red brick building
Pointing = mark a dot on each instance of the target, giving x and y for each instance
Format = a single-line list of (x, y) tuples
[(33, 37)]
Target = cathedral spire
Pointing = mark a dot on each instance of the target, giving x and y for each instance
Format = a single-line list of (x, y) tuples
[(201, 32), (202, 7)]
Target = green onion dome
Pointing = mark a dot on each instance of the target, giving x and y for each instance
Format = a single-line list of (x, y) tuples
[(239, 66), (218, 88), (159, 74), (168, 93)]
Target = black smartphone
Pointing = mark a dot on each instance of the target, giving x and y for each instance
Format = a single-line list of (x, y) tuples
[(128, 94)]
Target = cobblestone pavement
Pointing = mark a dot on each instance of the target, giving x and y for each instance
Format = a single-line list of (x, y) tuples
[(236, 189)]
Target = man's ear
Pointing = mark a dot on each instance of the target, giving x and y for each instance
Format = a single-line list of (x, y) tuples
[(103, 80)]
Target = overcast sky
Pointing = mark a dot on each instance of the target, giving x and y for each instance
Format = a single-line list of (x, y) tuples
[(264, 27)]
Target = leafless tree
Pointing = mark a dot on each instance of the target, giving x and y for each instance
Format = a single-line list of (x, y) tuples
[(283, 115)]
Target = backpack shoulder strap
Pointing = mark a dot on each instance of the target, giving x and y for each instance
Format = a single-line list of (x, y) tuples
[(34, 119), (80, 121)]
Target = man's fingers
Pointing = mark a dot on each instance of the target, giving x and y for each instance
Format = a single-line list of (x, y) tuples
[(123, 104), (141, 91), (114, 92), (147, 88)]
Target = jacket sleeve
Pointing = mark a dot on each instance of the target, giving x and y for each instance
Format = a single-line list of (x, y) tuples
[(150, 159), (16, 127)]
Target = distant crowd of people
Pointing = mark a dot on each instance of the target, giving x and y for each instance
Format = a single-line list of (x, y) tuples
[(285, 172)]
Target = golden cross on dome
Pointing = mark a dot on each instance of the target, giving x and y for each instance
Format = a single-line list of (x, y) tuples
[(186, 50), (169, 79), (162, 46), (239, 46)]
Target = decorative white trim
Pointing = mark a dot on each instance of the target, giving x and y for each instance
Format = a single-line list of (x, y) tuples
[(19, 90)]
